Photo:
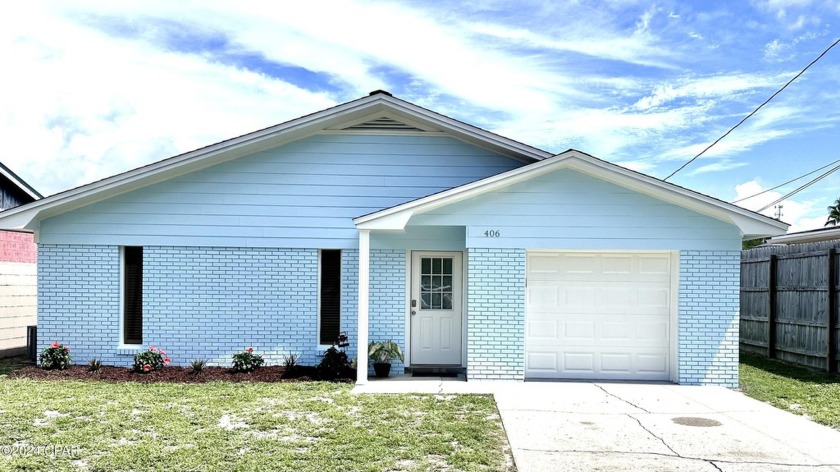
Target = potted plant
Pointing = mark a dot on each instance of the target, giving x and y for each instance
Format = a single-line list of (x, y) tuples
[(381, 353)]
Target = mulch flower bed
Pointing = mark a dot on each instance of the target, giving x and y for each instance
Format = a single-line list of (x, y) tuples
[(177, 374)]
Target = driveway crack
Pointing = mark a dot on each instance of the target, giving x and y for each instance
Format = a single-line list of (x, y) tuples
[(621, 399), (712, 463), (654, 435)]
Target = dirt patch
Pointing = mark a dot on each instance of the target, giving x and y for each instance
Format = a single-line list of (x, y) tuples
[(177, 374)]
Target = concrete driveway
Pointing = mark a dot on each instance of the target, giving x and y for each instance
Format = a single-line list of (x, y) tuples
[(643, 427), (580, 426)]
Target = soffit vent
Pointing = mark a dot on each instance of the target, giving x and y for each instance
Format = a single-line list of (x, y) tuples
[(383, 124)]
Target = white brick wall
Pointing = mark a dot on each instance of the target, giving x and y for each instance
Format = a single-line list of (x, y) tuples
[(708, 319), (387, 299), (198, 302), (78, 300), (496, 314)]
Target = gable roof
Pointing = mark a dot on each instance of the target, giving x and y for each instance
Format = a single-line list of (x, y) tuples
[(751, 224), (373, 113), (19, 183)]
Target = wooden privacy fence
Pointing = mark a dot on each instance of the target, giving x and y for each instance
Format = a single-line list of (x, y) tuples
[(789, 303)]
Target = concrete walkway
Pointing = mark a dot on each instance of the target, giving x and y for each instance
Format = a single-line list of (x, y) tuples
[(577, 426)]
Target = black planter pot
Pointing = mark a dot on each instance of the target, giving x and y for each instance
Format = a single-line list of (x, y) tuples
[(381, 369)]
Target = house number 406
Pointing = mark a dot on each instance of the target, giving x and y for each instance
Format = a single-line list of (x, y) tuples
[(492, 233)]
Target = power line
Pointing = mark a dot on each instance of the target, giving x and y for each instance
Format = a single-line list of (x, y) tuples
[(801, 188), (754, 111), (789, 181)]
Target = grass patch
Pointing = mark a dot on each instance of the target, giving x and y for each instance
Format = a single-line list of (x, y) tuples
[(796, 389), (10, 364), (313, 426)]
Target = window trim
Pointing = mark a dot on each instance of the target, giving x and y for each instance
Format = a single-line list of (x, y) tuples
[(321, 346), (120, 342)]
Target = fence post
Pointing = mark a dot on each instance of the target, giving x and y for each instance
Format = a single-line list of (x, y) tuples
[(831, 314), (771, 309)]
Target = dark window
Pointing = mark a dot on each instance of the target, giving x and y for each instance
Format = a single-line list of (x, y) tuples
[(133, 295), (330, 314)]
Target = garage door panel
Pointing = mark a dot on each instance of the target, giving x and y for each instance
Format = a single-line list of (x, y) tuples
[(579, 362), (617, 331), (578, 298), (616, 363), (654, 266), (543, 328), (599, 316), (579, 331), (539, 361), (653, 334), (652, 363), (543, 297)]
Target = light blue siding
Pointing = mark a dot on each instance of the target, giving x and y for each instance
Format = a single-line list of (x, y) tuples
[(571, 210), (708, 320), (426, 238), (300, 195)]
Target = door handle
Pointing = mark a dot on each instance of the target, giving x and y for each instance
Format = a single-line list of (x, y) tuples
[(413, 312)]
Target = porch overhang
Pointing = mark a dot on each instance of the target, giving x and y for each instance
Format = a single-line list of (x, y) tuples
[(751, 225)]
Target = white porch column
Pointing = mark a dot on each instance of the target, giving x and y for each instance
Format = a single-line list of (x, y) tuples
[(364, 305)]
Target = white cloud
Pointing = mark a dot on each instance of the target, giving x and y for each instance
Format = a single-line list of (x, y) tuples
[(88, 99), (89, 115), (716, 86), (635, 48), (717, 167), (802, 215)]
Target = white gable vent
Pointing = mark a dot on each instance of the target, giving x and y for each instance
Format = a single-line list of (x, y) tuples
[(383, 124)]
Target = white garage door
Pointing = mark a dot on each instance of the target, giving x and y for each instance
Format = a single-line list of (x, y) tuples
[(597, 315)]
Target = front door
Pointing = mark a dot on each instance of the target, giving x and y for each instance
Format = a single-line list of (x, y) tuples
[(436, 308)]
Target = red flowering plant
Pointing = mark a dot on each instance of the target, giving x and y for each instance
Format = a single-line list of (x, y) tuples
[(247, 361), (57, 356), (152, 359)]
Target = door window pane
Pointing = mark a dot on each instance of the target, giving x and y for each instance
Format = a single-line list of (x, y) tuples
[(436, 283)]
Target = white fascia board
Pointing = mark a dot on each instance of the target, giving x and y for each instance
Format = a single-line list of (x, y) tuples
[(748, 222), (19, 183), (807, 237)]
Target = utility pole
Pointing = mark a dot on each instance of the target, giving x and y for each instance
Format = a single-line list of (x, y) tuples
[(779, 212)]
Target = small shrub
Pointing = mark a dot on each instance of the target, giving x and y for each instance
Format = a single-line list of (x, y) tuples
[(152, 359), (335, 362), (94, 365), (247, 361), (197, 366), (290, 360), (57, 356)]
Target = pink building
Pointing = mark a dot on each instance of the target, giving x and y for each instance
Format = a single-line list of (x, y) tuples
[(18, 269)]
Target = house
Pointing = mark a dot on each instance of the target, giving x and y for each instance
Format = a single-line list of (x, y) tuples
[(389, 221), (18, 280), (810, 236)]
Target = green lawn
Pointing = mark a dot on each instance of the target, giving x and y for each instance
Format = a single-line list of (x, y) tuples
[(243, 426), (796, 389)]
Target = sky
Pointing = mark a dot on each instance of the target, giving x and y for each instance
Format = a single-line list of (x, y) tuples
[(93, 88)]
